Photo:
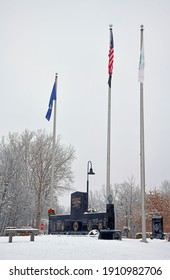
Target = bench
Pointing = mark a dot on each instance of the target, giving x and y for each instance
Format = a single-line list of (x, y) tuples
[(12, 232)]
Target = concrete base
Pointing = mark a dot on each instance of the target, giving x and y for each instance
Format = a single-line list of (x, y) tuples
[(110, 234)]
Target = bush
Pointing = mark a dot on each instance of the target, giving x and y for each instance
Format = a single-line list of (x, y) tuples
[(139, 235), (167, 236)]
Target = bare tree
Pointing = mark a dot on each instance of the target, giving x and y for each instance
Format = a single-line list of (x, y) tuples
[(25, 176), (165, 187), (98, 198), (12, 186), (127, 203)]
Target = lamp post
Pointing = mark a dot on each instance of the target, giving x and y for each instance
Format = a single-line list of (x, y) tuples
[(126, 214), (89, 172)]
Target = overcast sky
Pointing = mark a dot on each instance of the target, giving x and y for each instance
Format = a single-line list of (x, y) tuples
[(71, 37)]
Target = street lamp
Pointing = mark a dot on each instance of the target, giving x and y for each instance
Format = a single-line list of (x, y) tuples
[(89, 172), (126, 214)]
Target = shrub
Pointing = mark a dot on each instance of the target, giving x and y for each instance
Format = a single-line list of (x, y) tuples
[(139, 235)]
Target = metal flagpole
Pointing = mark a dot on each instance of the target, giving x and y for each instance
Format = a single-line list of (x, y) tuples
[(53, 147), (108, 144), (110, 69), (142, 148)]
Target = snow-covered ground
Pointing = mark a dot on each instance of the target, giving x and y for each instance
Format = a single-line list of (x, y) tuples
[(67, 247)]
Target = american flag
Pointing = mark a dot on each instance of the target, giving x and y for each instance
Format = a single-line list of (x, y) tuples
[(111, 58)]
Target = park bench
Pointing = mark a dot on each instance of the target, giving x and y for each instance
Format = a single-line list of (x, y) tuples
[(14, 231)]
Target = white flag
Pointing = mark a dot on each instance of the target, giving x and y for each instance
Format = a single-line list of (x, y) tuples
[(141, 66)]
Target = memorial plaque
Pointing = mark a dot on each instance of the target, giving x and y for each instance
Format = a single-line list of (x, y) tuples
[(157, 227), (78, 204)]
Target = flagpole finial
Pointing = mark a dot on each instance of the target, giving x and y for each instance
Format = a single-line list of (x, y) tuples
[(56, 75), (110, 25), (141, 27)]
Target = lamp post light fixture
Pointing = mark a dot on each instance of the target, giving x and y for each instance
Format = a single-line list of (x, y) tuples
[(89, 172)]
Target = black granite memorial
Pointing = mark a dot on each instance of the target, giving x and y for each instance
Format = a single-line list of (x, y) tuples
[(157, 227), (110, 234), (80, 221)]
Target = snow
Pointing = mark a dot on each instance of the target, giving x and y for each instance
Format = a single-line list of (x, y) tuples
[(74, 247)]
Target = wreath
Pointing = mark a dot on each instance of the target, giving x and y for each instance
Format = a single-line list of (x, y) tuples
[(51, 212), (126, 229)]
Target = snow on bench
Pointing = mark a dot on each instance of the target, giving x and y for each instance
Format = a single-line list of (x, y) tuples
[(13, 231)]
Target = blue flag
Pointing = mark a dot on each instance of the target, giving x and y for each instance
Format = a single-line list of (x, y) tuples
[(50, 106)]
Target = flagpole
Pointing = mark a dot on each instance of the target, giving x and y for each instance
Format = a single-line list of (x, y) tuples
[(108, 143), (108, 191), (53, 147), (142, 149)]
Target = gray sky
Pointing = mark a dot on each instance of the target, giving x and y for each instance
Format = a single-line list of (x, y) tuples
[(40, 38)]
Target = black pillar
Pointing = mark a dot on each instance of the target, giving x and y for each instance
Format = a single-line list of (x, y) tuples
[(111, 216)]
